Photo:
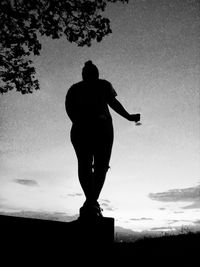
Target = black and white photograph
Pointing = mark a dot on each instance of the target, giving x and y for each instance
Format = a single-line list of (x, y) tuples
[(100, 129)]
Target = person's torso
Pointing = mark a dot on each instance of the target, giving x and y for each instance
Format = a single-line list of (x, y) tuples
[(89, 102)]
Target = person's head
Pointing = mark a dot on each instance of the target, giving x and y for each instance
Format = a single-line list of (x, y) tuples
[(90, 71)]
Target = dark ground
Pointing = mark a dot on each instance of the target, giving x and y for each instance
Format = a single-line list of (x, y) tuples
[(28, 245)]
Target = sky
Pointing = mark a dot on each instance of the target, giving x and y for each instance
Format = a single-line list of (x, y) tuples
[(152, 59)]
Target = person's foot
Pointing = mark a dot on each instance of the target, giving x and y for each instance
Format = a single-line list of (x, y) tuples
[(91, 210)]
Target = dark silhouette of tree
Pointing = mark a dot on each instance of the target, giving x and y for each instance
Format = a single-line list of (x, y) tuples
[(22, 22)]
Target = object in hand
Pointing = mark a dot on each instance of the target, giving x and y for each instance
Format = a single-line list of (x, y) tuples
[(137, 117)]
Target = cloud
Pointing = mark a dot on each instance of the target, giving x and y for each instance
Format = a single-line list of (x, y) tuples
[(141, 219), (197, 222), (173, 221), (105, 203), (52, 216), (160, 229), (194, 205), (26, 182), (190, 194), (107, 207), (178, 221), (105, 200), (74, 194)]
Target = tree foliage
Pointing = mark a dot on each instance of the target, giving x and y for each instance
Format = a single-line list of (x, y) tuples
[(23, 21)]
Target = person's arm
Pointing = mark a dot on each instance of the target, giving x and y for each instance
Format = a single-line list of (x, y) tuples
[(117, 107)]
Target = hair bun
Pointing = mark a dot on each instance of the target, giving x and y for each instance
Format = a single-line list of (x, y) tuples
[(90, 71), (88, 63)]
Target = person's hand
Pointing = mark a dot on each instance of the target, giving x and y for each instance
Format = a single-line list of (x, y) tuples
[(134, 117)]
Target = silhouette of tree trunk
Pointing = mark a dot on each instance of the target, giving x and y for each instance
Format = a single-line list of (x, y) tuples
[(22, 22)]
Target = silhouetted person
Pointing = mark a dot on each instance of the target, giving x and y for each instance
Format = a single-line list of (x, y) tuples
[(92, 132)]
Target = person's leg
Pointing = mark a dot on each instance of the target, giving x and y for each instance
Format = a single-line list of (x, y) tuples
[(103, 149), (85, 175), (85, 159), (100, 176)]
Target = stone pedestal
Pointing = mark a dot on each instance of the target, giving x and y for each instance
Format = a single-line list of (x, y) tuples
[(94, 231), (43, 236)]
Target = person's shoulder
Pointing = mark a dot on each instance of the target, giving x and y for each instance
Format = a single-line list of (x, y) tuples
[(108, 88), (75, 87), (105, 82)]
